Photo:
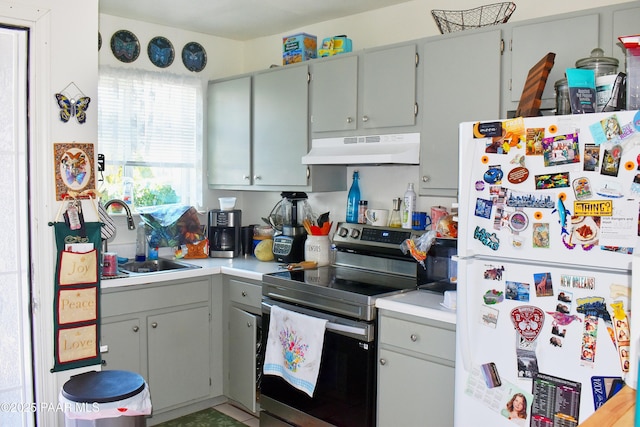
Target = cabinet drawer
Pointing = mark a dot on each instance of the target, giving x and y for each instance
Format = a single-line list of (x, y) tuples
[(431, 340), (154, 297), (245, 293)]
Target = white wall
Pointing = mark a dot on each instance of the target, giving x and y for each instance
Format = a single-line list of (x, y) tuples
[(224, 56), (63, 44), (406, 21)]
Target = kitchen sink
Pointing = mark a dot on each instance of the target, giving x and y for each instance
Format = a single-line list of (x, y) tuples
[(154, 266)]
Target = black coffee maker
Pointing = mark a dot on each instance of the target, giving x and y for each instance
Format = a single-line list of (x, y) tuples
[(288, 244), (224, 233)]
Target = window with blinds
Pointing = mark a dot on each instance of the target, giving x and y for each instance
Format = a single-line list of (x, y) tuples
[(150, 132)]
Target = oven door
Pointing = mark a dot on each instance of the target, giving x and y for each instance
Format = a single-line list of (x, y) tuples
[(346, 387)]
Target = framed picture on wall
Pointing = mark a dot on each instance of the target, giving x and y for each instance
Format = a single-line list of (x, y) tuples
[(73, 166)]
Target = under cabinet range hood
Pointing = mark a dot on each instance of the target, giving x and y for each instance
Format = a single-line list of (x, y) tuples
[(401, 148)]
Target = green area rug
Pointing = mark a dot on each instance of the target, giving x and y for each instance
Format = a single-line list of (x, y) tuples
[(206, 418)]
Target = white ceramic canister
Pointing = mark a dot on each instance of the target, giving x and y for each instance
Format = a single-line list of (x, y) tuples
[(318, 249)]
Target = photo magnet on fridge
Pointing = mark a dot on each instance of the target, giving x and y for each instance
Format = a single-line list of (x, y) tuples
[(490, 374)]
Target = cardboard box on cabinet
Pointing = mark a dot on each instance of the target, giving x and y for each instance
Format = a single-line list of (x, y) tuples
[(298, 48)]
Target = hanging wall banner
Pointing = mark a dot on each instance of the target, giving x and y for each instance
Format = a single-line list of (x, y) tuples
[(77, 296)]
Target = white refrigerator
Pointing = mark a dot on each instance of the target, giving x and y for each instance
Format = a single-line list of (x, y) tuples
[(548, 224)]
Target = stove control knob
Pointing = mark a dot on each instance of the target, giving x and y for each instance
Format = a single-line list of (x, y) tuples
[(342, 232), (355, 233)]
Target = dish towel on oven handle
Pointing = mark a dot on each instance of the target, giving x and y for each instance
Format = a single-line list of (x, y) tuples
[(294, 348)]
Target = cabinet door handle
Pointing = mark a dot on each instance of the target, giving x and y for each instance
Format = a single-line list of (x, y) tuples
[(383, 362), (135, 328), (365, 118), (154, 325), (246, 177), (257, 177), (349, 119), (244, 293), (426, 179), (249, 324), (414, 337)]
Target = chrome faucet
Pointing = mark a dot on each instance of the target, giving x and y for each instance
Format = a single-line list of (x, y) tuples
[(130, 223)]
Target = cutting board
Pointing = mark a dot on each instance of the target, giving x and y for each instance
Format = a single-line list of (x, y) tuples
[(619, 411), (529, 105)]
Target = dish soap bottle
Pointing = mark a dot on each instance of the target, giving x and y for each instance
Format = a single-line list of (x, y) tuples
[(395, 221), (353, 199), (409, 206), (141, 242)]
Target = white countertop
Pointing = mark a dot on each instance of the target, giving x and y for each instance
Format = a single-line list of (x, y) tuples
[(248, 268), (419, 303)]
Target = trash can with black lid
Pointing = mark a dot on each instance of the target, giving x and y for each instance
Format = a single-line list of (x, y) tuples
[(106, 399)]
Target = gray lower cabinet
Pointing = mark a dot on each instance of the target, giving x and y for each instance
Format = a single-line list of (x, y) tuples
[(242, 338), (415, 371), (164, 333), (453, 96)]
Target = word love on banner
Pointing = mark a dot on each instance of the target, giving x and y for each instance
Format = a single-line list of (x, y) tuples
[(77, 343)]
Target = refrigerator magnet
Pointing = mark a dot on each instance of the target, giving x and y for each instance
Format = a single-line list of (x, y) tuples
[(493, 296), (611, 161), (582, 188), (490, 374), (591, 157), (528, 321), (518, 221)]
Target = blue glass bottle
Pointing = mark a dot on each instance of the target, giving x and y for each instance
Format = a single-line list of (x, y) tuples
[(353, 199)]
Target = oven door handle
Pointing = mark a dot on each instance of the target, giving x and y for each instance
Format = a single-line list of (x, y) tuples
[(363, 333)]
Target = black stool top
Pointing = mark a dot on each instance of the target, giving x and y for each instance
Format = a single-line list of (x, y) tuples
[(103, 387)]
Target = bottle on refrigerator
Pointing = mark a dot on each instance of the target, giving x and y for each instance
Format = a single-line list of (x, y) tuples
[(353, 199), (409, 206)]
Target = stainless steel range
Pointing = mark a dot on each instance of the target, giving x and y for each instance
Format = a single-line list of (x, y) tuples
[(368, 264)]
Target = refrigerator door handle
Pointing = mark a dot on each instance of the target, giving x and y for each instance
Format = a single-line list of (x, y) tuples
[(462, 317)]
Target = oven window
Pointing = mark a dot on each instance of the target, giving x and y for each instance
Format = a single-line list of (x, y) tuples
[(346, 387)]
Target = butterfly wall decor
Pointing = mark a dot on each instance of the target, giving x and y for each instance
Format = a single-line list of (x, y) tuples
[(72, 105), (194, 57), (160, 51), (125, 46)]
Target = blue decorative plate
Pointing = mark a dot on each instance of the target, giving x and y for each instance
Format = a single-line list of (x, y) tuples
[(194, 57), (125, 46), (160, 51)]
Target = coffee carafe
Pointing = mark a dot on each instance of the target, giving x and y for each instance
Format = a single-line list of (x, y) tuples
[(224, 233), (288, 246)]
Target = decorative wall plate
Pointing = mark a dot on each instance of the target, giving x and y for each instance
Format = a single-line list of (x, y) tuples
[(125, 46), (160, 51), (194, 57)]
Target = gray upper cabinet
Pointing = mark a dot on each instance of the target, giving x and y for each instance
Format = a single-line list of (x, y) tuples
[(389, 87), (371, 92), (281, 126), (453, 95), (334, 102), (625, 23), (569, 38), (229, 125), (258, 131)]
